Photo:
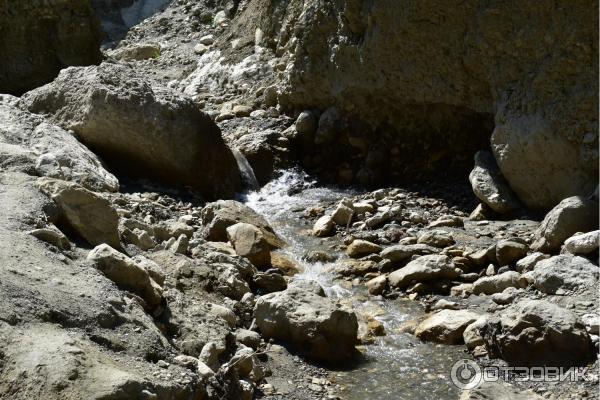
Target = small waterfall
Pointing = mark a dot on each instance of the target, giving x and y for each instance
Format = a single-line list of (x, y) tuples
[(248, 178)]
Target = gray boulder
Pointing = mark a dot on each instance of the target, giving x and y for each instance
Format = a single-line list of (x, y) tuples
[(490, 186), (445, 326), (313, 324), (30, 144), (90, 215), (584, 243), (422, 269), (248, 241), (572, 215), (216, 217), (139, 127), (538, 333), (564, 273)]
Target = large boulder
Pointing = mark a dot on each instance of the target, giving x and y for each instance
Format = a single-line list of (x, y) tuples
[(139, 127), (313, 324), (563, 273), (572, 215), (39, 38), (248, 241), (424, 268), (90, 215), (32, 145), (490, 186), (445, 326), (584, 243), (538, 333), (216, 217)]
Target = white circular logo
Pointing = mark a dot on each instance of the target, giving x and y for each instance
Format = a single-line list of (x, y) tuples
[(466, 374)]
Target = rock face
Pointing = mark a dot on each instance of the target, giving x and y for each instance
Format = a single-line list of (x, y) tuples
[(90, 215), (572, 215), (396, 62), (140, 128), (538, 333), (32, 145), (39, 38), (309, 322)]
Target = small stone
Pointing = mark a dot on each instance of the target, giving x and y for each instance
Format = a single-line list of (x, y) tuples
[(359, 248)]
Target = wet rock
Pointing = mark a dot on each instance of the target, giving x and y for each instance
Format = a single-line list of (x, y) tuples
[(309, 322), (355, 267), (402, 252), (90, 215), (100, 103), (538, 333), (248, 241), (436, 238), (509, 251), (572, 215), (285, 264), (581, 244), (446, 326), (497, 283), (30, 144), (424, 268), (323, 226), (377, 285), (218, 216), (489, 185), (562, 273), (360, 248), (126, 273), (40, 39)]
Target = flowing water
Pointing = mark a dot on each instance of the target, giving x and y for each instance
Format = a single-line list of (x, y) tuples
[(397, 366)]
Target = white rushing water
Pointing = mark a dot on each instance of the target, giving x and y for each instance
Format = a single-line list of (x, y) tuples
[(397, 366)]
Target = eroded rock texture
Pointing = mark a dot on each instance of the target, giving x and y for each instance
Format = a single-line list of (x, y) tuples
[(41, 37), (430, 72)]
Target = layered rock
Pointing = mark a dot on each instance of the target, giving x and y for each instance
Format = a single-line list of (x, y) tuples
[(39, 38), (32, 145), (140, 128), (397, 62)]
